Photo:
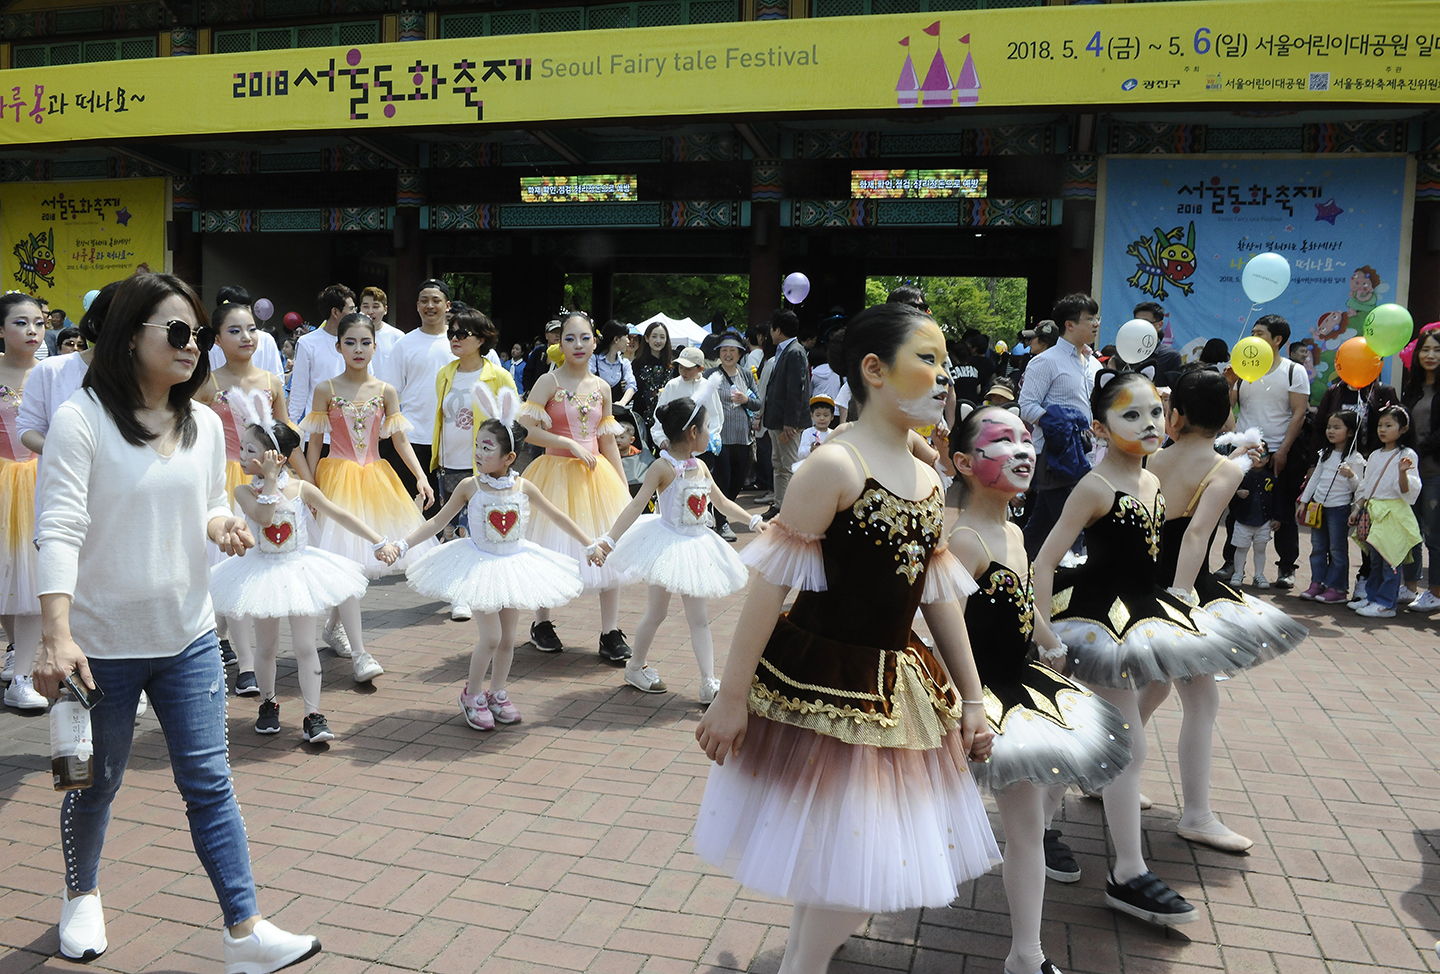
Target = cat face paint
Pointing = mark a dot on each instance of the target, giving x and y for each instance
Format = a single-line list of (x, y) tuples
[(1004, 458), (1134, 420)]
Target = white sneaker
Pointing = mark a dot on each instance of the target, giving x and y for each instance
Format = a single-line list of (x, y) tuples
[(459, 612), (1261, 581), (1427, 602), (708, 689), (645, 679), (142, 706), (1407, 595), (336, 639), (21, 695), (1237, 579), (8, 673), (82, 926), (1357, 603), (268, 948), (1373, 610), (366, 669)]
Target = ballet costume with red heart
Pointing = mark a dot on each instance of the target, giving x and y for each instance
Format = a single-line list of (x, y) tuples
[(677, 548), (284, 576), (497, 567)]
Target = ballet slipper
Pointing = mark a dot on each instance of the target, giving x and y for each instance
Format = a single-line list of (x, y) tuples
[(1215, 835), (1145, 802)]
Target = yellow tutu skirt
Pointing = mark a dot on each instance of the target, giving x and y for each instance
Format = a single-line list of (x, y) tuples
[(375, 495), (592, 498), (20, 568), (234, 477)]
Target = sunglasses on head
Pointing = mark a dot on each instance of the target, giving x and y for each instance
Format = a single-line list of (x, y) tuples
[(179, 333)]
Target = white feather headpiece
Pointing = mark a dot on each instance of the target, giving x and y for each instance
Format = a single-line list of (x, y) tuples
[(1243, 444), (254, 408)]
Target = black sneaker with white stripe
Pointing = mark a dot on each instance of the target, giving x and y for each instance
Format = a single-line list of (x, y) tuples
[(1146, 897), (544, 638), (1060, 864)]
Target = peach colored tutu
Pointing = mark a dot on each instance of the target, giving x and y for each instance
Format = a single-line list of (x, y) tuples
[(817, 821), (20, 569)]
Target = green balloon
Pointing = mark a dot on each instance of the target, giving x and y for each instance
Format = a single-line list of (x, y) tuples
[(1388, 329)]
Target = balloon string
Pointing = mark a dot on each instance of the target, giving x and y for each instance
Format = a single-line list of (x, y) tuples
[(1246, 325)]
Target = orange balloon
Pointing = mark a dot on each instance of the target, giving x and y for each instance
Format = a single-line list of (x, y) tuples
[(1357, 364)]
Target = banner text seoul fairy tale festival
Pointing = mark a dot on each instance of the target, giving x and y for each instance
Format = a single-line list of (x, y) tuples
[(1315, 52)]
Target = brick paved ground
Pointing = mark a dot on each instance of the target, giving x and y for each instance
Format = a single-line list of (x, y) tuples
[(413, 843)]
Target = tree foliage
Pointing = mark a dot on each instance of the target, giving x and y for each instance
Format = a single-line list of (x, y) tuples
[(697, 296), (993, 305)]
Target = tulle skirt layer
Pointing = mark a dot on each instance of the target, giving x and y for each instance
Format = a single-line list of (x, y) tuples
[(1267, 632), (702, 565), (20, 571), (1066, 736), (592, 498), (809, 818), (375, 495), (529, 578), (309, 582)]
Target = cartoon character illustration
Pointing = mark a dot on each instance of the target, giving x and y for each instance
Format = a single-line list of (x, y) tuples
[(37, 261), (1331, 325), (1364, 287), (1163, 258)]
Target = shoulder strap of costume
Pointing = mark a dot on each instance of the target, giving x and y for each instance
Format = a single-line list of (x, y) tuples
[(966, 527), (1101, 478), (1204, 482), (864, 467)]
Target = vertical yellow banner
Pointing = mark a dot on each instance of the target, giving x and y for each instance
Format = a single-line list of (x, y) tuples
[(60, 240)]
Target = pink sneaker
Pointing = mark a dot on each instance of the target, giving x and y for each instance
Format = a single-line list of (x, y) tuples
[(501, 708), (477, 714), (1313, 592), (1331, 595)]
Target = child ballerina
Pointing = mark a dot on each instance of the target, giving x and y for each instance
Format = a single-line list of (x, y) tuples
[(851, 795), (1189, 467), (580, 472), (1049, 732), (1386, 495), (675, 551), (287, 577), (496, 570), (358, 411), (23, 327), (237, 336), (1120, 629)]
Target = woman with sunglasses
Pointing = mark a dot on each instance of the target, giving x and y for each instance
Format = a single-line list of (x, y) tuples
[(134, 481), (472, 338)]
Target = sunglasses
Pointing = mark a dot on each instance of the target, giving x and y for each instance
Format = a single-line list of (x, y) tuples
[(457, 334), (179, 334)]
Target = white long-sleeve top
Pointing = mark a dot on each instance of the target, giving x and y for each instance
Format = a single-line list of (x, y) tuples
[(49, 384), (1330, 487), (123, 532), (1382, 480), (679, 388)]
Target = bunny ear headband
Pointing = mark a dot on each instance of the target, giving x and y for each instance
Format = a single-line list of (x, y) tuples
[(504, 406), (254, 408), (708, 387)]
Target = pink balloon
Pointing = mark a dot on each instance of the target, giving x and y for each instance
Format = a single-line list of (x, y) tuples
[(264, 309), (796, 288)]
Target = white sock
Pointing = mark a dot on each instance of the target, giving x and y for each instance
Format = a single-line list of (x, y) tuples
[(1022, 813), (815, 934), (698, 616), (1122, 796)]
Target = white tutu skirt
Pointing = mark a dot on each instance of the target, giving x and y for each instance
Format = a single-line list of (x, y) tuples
[(530, 578), (309, 582), (1031, 747), (701, 565), (1267, 632), (1151, 651), (811, 819), (332, 538)]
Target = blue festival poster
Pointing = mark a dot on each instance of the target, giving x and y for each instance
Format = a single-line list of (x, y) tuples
[(1180, 230)]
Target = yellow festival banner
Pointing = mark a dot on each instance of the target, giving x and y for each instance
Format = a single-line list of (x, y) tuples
[(1304, 52), (59, 240)]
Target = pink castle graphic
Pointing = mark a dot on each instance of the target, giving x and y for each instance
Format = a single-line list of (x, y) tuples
[(937, 91), (907, 89), (967, 82)]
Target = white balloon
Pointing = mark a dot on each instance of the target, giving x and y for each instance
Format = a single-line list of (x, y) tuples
[(796, 288), (1265, 277), (1136, 341), (89, 299)]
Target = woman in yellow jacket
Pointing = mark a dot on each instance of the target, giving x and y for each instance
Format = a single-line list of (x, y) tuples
[(457, 416)]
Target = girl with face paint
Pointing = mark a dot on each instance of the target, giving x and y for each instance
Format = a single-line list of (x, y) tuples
[(1121, 630), (839, 739), (1190, 467), (1049, 732)]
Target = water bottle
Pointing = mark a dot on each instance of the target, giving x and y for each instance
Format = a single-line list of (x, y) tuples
[(71, 745)]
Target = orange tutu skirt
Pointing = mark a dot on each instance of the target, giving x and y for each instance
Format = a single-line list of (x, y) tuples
[(374, 494), (592, 498), (234, 477), (19, 572)]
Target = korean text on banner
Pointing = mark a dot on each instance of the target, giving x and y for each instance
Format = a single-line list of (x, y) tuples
[(1180, 230), (1310, 52), (59, 240)]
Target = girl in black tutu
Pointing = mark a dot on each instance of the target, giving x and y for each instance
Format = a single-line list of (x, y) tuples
[(1190, 468), (1049, 732)]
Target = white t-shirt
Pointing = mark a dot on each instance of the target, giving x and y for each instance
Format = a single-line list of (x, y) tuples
[(457, 436), (1266, 402), (266, 356), (411, 367), (123, 532), (316, 359)]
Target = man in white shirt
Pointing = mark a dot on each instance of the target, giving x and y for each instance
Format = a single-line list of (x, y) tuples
[(411, 367), (374, 305), (316, 357), (1062, 375), (1276, 403)]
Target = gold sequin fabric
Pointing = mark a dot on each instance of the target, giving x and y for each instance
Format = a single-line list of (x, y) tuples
[(358, 414), (882, 516)]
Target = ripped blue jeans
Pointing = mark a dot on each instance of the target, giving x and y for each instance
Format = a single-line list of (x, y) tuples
[(187, 694)]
